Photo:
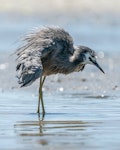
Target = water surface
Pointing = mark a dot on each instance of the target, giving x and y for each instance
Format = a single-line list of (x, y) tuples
[(72, 120)]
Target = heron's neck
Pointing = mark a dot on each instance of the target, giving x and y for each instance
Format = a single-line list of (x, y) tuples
[(76, 62), (75, 58)]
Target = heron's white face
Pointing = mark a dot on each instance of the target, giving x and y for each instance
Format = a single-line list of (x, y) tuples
[(89, 59)]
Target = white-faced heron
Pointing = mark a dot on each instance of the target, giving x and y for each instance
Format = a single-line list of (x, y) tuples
[(50, 51)]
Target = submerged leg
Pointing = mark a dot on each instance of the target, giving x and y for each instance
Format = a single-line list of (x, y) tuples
[(41, 96)]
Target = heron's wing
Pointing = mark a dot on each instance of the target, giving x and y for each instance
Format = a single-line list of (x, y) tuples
[(29, 67), (38, 45)]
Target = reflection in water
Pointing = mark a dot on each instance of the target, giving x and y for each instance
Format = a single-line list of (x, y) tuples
[(52, 132), (41, 127)]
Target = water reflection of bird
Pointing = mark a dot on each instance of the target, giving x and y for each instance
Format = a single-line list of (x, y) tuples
[(50, 51)]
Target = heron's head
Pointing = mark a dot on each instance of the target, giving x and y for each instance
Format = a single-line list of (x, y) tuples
[(89, 56)]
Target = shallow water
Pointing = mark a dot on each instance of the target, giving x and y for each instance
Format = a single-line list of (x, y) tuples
[(72, 121)]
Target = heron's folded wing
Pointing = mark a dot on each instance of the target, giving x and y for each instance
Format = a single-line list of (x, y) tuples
[(38, 45), (29, 65)]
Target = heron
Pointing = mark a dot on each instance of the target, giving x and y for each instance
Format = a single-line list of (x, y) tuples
[(47, 51)]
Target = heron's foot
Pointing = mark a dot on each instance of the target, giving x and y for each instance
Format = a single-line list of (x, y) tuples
[(41, 115), (42, 112), (38, 111)]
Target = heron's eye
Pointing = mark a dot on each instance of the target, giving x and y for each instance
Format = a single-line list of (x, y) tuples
[(90, 59)]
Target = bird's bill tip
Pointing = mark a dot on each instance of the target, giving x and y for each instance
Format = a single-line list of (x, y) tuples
[(98, 66)]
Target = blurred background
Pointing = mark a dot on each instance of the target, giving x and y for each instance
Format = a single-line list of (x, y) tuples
[(91, 23)]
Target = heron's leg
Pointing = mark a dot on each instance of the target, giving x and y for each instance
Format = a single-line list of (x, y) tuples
[(41, 96), (40, 87), (43, 80)]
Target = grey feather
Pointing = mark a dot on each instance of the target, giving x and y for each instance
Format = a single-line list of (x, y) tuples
[(38, 46)]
